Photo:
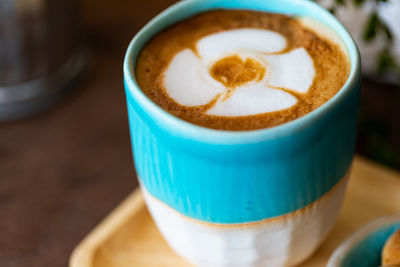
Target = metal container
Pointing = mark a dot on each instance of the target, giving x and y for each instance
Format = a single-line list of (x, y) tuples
[(40, 54)]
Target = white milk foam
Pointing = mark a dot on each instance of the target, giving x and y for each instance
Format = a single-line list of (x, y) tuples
[(188, 81)]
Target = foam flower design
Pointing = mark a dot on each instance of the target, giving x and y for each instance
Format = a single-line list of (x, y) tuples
[(239, 72)]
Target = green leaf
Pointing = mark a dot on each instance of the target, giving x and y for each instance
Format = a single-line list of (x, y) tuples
[(358, 2), (371, 28), (340, 2), (386, 31), (386, 60)]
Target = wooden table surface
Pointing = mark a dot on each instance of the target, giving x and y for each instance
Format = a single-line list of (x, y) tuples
[(65, 170)]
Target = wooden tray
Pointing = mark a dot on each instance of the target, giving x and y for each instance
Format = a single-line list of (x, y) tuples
[(128, 236)]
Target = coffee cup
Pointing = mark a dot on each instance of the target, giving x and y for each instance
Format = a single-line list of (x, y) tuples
[(265, 197)]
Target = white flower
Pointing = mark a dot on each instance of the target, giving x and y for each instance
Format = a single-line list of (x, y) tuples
[(188, 81)]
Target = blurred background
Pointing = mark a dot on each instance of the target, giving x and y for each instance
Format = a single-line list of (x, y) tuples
[(374, 25), (65, 158)]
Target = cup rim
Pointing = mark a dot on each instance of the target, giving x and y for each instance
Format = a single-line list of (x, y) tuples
[(187, 130)]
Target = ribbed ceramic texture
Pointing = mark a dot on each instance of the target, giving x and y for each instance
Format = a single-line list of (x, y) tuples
[(226, 177), (235, 184)]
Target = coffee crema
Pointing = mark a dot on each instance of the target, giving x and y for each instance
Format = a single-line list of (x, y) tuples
[(240, 69)]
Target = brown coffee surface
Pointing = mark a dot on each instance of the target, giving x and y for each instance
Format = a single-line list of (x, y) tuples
[(331, 65)]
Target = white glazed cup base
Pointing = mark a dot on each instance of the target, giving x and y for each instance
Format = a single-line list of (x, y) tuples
[(281, 241)]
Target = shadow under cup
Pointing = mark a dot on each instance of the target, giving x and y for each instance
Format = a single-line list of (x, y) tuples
[(251, 198)]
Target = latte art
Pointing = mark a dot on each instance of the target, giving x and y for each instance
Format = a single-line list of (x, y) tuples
[(234, 71), (241, 71)]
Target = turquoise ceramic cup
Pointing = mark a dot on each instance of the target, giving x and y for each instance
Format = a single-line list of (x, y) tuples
[(251, 198)]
